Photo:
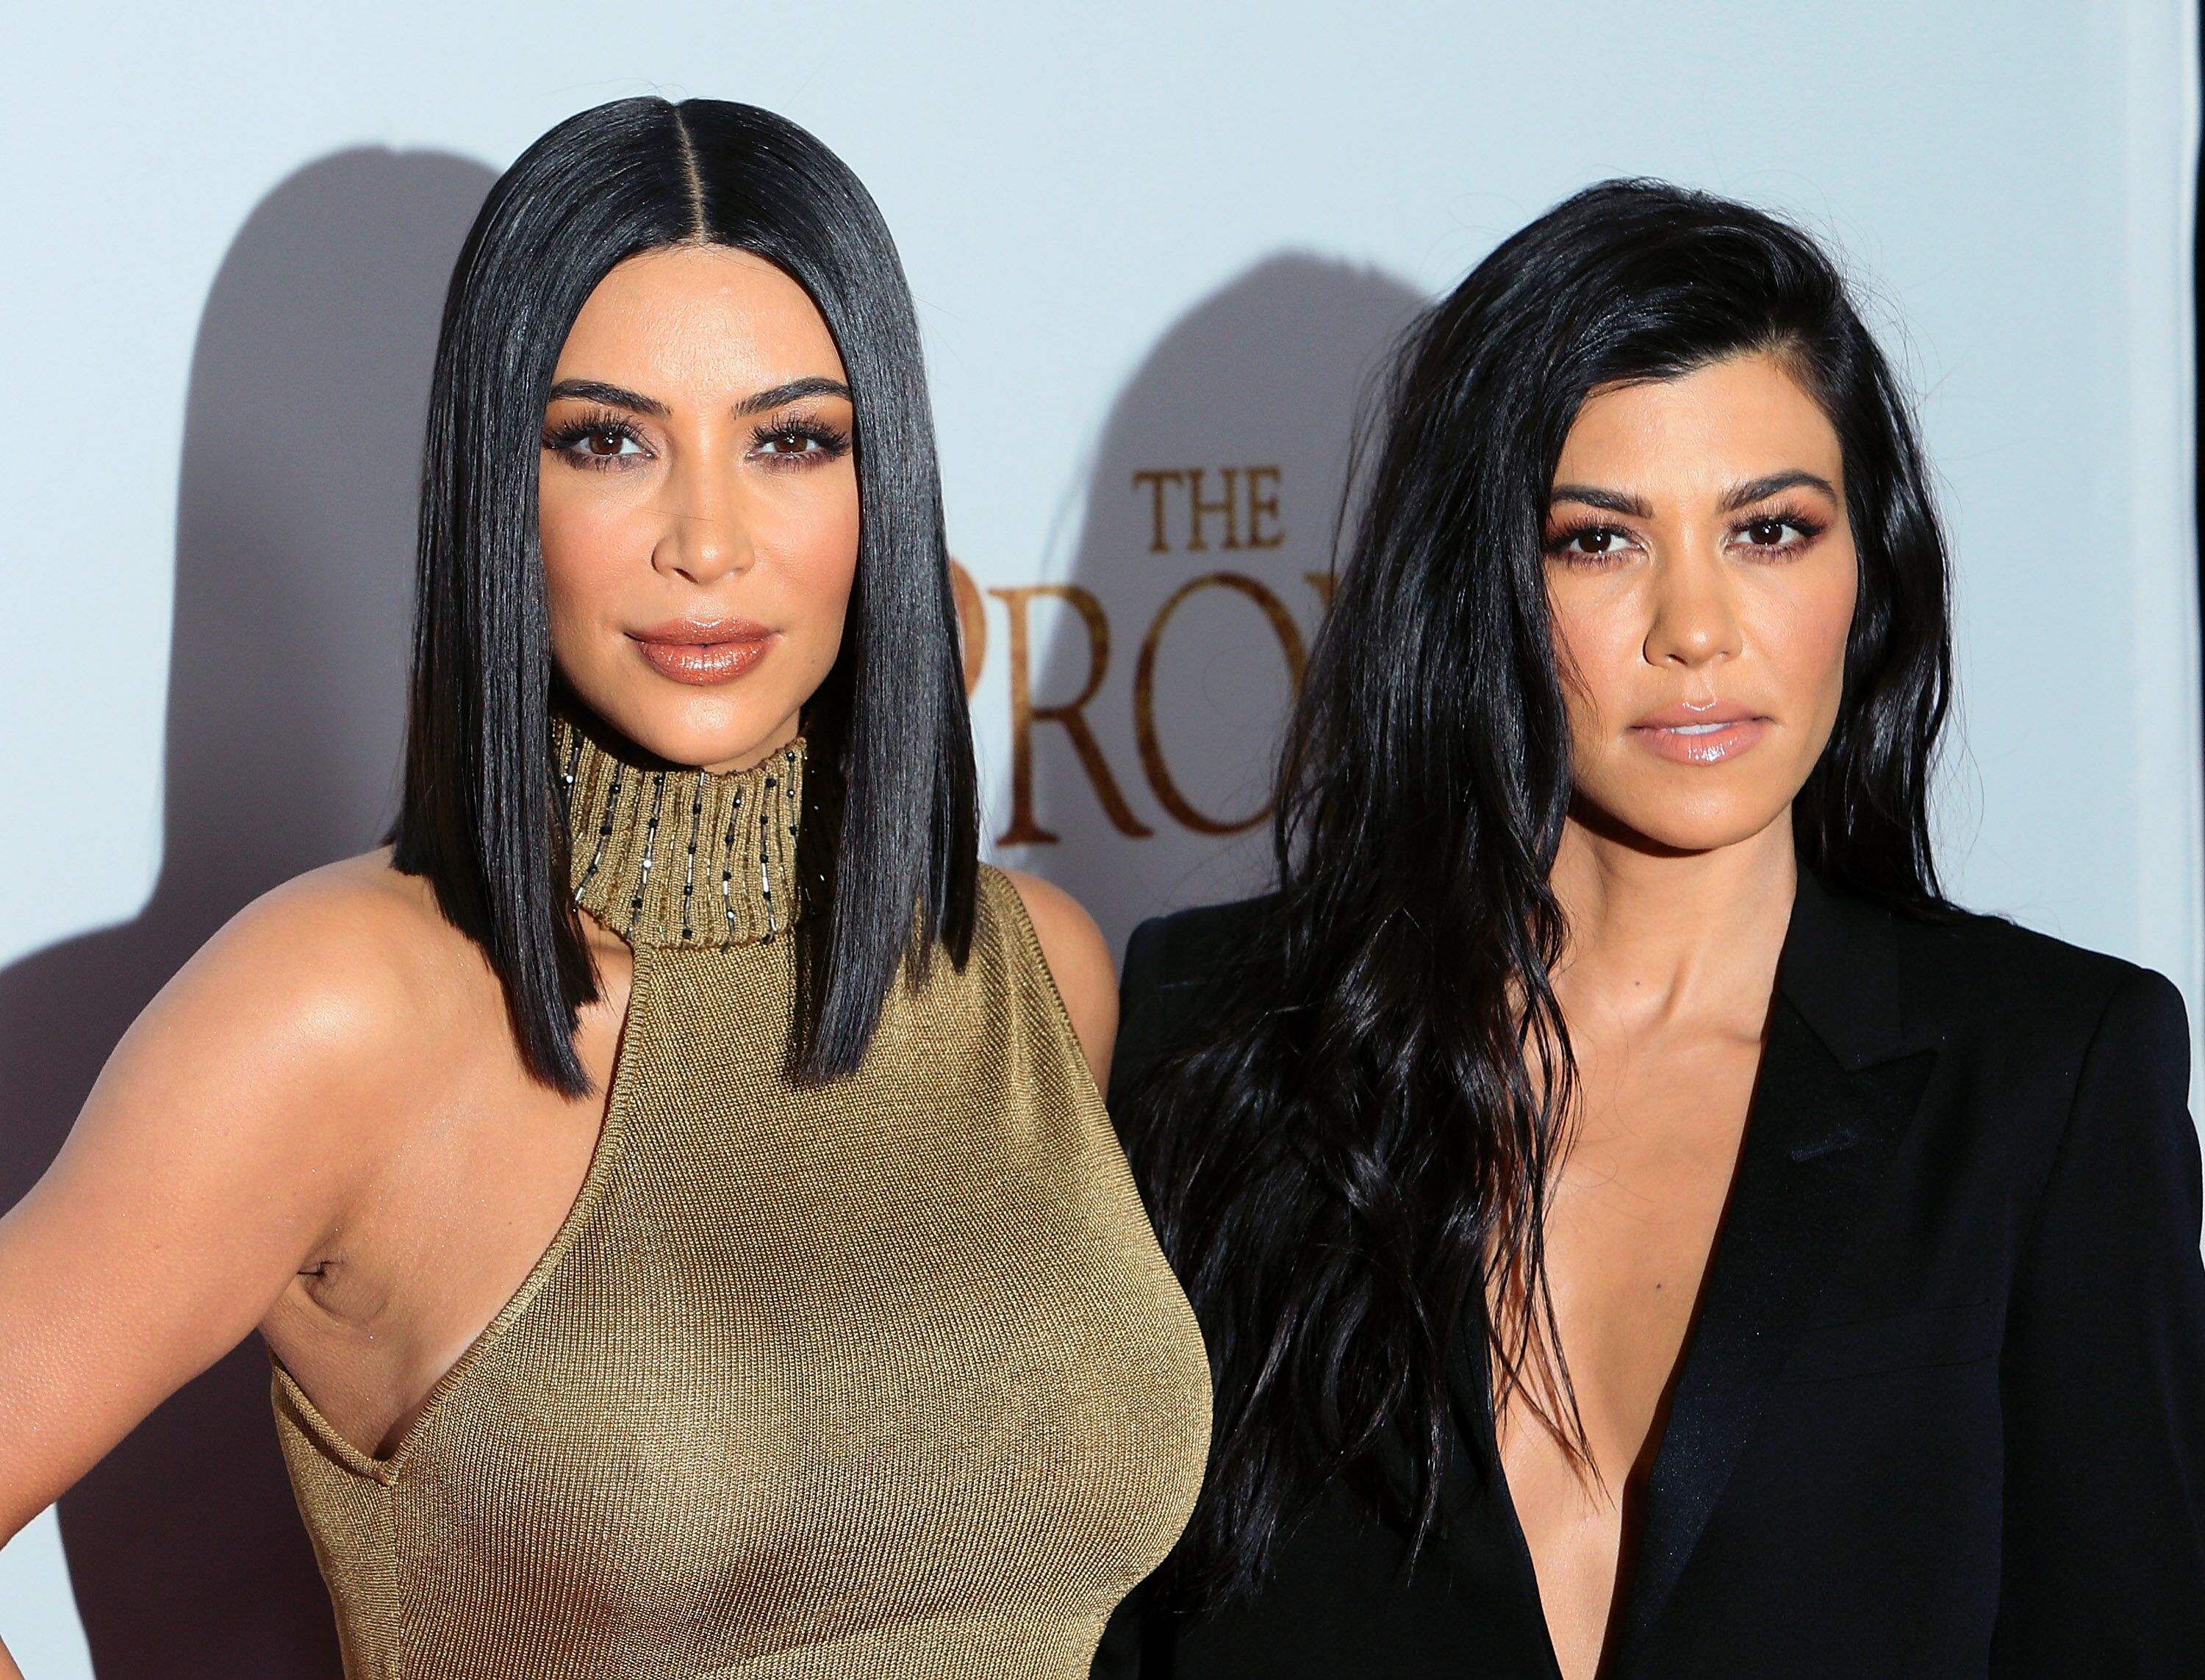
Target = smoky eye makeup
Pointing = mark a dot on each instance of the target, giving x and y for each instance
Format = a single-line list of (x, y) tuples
[(1586, 541), (604, 438), (798, 440), (1781, 530), (581, 438)]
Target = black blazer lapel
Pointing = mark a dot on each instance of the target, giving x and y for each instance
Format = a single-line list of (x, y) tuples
[(1837, 1092)]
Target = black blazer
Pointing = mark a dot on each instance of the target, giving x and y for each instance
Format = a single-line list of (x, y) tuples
[(1943, 1411)]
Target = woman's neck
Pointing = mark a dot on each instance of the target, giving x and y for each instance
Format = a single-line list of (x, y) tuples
[(1660, 938)]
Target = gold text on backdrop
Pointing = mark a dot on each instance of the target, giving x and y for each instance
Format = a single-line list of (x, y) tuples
[(1243, 515)]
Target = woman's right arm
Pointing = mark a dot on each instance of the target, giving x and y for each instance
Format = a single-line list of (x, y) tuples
[(215, 1155)]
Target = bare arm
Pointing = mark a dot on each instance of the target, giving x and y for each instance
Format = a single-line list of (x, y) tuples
[(213, 1158), (1080, 964)]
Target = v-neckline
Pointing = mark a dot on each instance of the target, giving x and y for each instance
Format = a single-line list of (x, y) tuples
[(1833, 1101), (1524, 1567)]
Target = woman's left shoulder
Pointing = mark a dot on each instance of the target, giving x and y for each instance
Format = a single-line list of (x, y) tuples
[(1988, 973), (2045, 1052), (1074, 953)]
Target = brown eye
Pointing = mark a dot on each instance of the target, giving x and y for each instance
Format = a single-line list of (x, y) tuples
[(787, 443), (1596, 543), (601, 444), (1787, 532)]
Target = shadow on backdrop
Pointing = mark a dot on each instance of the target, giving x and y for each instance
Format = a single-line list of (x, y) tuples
[(294, 539), (1265, 373)]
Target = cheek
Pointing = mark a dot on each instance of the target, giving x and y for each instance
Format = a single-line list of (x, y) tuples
[(589, 540), (1808, 627), (1597, 641), (818, 547)]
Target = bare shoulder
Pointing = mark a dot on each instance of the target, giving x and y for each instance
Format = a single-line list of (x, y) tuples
[(1078, 957), (303, 1007), (234, 1134), (1078, 960), (351, 955)]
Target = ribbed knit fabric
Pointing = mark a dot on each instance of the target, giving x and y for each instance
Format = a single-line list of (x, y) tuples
[(883, 1379)]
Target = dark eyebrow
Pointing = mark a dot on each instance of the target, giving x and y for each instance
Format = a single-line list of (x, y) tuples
[(1759, 489), (1613, 501), (1756, 489), (619, 396), (795, 391), (613, 396)]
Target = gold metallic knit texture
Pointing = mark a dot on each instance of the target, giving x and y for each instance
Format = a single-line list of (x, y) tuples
[(883, 1379)]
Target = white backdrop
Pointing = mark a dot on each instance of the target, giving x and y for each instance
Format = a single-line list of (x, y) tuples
[(1149, 242)]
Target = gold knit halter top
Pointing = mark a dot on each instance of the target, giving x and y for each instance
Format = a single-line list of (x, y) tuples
[(883, 1379)]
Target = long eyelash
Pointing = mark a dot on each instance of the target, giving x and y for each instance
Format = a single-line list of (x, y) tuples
[(832, 439), (1798, 519), (593, 423), (1563, 536)]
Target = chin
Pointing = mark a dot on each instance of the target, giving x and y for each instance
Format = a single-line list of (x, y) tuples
[(1690, 826), (716, 748), (1685, 838), (694, 729)]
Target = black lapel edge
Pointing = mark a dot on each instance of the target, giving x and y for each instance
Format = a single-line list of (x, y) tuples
[(1841, 970), (1836, 1097)]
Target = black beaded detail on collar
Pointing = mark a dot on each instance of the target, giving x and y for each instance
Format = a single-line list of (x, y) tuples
[(665, 856)]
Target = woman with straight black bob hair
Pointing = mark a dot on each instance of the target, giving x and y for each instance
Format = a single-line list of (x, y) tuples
[(1640, 1226), (671, 1179), (890, 759)]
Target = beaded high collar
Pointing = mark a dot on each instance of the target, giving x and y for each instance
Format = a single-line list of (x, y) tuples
[(669, 857)]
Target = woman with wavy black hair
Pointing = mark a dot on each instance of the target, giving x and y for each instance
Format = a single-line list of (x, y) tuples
[(1640, 1226), (671, 1179)]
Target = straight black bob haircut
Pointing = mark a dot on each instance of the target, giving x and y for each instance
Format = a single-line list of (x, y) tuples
[(888, 853), (1349, 1164)]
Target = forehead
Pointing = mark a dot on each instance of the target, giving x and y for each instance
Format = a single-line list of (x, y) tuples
[(703, 323), (1739, 418)]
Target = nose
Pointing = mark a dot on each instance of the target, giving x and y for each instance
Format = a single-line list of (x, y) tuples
[(706, 537), (1694, 620)]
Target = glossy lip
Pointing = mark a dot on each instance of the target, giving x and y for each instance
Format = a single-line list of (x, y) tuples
[(702, 651), (1706, 734)]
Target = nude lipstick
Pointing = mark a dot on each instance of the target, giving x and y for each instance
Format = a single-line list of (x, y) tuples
[(1700, 734), (703, 652)]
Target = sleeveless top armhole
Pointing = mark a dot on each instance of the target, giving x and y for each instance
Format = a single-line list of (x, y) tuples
[(884, 1378)]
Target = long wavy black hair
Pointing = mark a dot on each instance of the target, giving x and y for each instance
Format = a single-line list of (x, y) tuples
[(888, 855), (1349, 1162)]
